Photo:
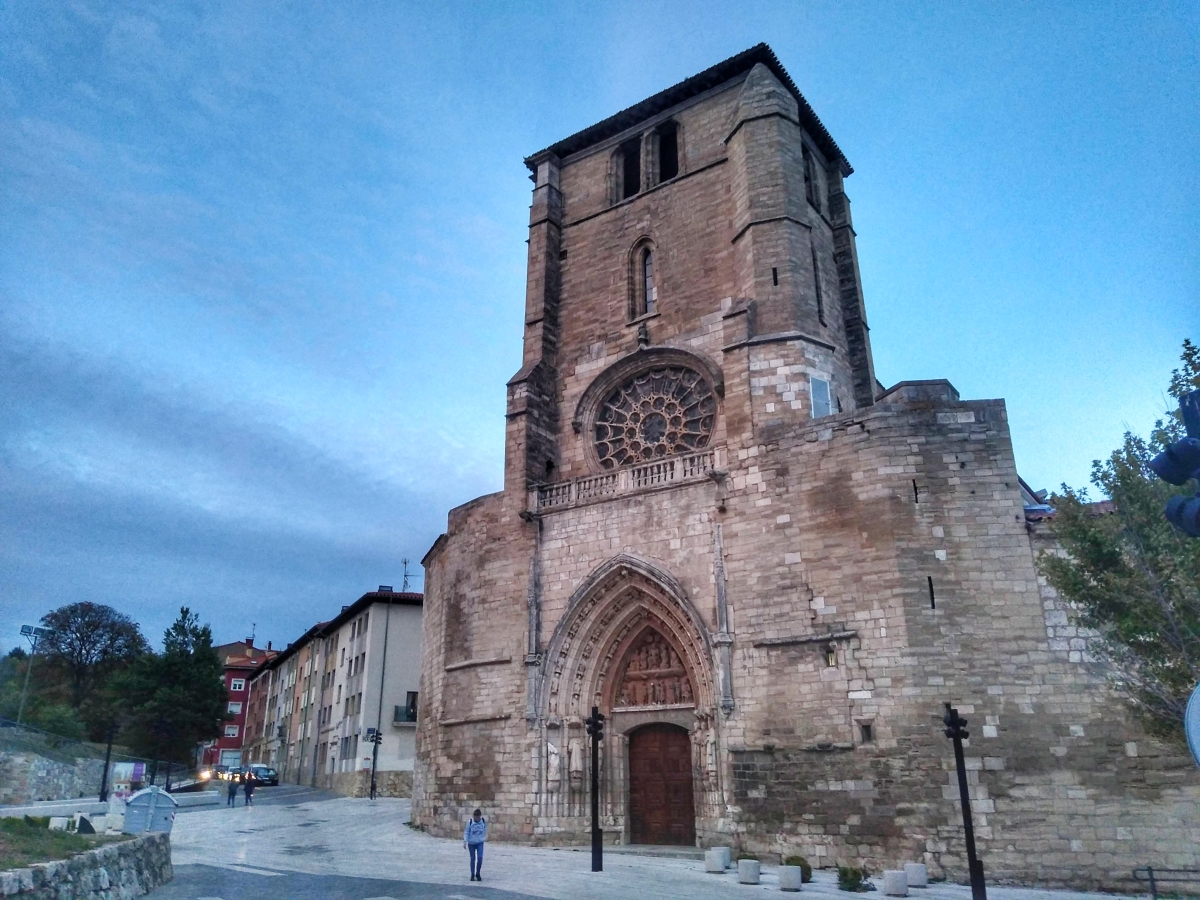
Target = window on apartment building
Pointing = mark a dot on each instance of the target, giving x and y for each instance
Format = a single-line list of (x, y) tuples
[(410, 707), (237, 684), (366, 619), (234, 708), (343, 662), (231, 731), (822, 405)]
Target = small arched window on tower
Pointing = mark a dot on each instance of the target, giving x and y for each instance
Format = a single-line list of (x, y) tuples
[(643, 289), (649, 292)]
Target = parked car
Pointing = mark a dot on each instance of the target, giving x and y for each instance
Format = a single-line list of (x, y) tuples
[(264, 774), (234, 773)]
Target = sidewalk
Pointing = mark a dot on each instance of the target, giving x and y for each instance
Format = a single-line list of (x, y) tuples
[(368, 839)]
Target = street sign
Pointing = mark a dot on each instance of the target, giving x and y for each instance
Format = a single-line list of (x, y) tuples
[(1191, 724)]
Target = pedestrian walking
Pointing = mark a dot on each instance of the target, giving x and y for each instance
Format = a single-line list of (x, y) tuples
[(473, 837), (231, 792), (248, 788)]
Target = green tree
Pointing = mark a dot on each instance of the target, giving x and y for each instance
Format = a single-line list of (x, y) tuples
[(175, 699), (88, 642), (1131, 576)]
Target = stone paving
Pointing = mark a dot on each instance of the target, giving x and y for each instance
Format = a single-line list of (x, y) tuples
[(364, 850)]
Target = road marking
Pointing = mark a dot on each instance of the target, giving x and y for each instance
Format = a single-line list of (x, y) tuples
[(251, 870)]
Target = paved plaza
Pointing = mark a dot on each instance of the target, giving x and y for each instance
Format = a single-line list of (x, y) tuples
[(302, 845)]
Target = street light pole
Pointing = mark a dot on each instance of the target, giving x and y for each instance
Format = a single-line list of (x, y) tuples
[(595, 729), (956, 731), (112, 732), (387, 621), (33, 634)]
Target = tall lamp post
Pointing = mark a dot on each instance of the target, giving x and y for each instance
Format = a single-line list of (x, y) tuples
[(33, 634), (956, 730), (595, 729)]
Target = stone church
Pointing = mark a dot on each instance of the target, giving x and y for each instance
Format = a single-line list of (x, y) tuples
[(767, 570)]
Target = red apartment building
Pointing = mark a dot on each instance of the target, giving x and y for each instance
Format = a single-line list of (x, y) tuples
[(241, 660)]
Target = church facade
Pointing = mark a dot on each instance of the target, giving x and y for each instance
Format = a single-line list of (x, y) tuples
[(768, 572)]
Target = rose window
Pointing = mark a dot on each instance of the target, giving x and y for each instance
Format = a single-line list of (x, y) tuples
[(662, 411)]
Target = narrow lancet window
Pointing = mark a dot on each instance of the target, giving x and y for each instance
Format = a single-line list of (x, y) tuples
[(649, 294), (817, 284), (811, 190)]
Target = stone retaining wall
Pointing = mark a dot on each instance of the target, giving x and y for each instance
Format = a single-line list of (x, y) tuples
[(26, 777), (113, 872), (358, 784)]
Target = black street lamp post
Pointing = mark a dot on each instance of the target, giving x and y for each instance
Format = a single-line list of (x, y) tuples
[(956, 730), (595, 729), (112, 733)]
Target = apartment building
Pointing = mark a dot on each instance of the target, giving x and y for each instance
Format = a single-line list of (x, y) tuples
[(314, 709), (240, 661)]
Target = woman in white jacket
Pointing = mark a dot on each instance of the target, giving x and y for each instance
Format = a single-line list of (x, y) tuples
[(473, 837)]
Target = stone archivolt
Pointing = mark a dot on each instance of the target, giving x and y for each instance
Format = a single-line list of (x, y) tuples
[(627, 612)]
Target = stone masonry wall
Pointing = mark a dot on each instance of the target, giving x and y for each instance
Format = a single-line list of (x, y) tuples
[(117, 871), (27, 777), (834, 528), (867, 511), (391, 783)]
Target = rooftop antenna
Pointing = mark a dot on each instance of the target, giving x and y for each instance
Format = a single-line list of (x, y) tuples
[(253, 630), (404, 586)]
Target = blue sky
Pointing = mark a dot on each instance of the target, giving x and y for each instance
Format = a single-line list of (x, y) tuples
[(262, 265)]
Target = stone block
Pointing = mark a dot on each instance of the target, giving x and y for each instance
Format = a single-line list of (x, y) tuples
[(917, 874), (748, 871), (726, 855), (790, 878), (59, 823), (714, 861), (895, 883)]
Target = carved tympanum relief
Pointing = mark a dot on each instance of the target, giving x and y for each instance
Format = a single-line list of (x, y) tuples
[(654, 675), (652, 415)]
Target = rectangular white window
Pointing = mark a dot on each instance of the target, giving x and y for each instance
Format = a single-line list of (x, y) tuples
[(234, 708), (821, 403), (238, 684), (231, 731)]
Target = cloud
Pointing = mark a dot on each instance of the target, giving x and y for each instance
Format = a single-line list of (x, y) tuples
[(148, 495)]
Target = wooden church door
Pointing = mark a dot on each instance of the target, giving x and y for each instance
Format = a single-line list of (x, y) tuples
[(661, 808)]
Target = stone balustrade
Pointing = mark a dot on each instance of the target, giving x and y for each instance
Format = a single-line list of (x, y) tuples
[(662, 473)]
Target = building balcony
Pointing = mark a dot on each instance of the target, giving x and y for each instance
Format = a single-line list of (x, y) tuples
[(674, 471)]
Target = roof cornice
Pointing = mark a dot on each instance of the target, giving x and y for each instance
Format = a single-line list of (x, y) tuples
[(691, 87)]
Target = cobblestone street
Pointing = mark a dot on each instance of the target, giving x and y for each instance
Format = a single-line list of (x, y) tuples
[(363, 850)]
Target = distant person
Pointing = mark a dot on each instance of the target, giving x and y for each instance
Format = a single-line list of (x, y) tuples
[(231, 791), (248, 788), (473, 837)]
